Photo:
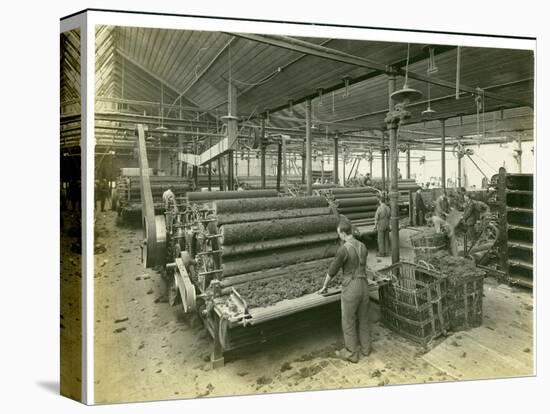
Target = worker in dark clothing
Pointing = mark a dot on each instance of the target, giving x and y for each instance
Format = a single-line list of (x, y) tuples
[(420, 207), (442, 208), (102, 193), (473, 210), (351, 257), (382, 226), (74, 194), (367, 181), (460, 201)]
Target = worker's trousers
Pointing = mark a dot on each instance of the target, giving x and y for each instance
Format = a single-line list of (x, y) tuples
[(355, 315), (384, 242), (419, 217), (102, 200), (470, 235)]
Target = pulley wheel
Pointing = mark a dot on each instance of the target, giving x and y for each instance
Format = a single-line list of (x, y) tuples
[(184, 286), (492, 232), (154, 248), (222, 331), (189, 300)]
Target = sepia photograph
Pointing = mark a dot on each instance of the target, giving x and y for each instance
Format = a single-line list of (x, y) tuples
[(277, 212)]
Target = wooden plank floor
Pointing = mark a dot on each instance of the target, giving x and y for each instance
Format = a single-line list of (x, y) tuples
[(501, 347)]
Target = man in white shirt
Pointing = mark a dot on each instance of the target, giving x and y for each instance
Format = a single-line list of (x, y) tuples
[(170, 207)]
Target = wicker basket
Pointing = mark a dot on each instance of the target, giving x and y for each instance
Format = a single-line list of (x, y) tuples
[(464, 301), (428, 242), (412, 305)]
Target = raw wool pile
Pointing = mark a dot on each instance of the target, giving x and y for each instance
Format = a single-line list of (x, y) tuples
[(276, 229), (267, 292), (428, 241), (455, 268), (464, 289), (268, 204)]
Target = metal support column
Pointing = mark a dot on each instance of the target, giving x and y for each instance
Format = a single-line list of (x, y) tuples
[(304, 162), (519, 152), (388, 170), (335, 172), (459, 175), (411, 192), (383, 162), (180, 151), (196, 176), (393, 119), (443, 172), (262, 152), (220, 174), (309, 167), (230, 165), (394, 195), (408, 162), (279, 164), (391, 107), (231, 131), (209, 175), (344, 168), (284, 161)]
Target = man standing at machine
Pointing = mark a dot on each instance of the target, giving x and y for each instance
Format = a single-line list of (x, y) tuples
[(170, 207), (351, 257), (420, 207), (473, 211), (442, 208), (367, 181), (382, 226), (102, 192)]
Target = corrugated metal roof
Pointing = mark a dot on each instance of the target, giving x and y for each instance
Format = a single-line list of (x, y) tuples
[(197, 65)]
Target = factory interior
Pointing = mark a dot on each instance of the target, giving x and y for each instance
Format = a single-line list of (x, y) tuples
[(224, 165)]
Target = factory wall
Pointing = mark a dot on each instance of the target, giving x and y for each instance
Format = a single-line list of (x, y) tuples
[(489, 158)]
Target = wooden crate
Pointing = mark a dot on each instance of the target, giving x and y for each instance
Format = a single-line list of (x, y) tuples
[(464, 301), (412, 304)]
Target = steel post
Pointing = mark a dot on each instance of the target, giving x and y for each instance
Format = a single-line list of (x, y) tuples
[(309, 166), (443, 172), (335, 171)]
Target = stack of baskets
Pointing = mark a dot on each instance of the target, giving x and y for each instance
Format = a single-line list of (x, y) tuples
[(413, 304)]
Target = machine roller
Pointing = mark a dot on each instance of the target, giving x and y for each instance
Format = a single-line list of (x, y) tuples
[(250, 267)]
